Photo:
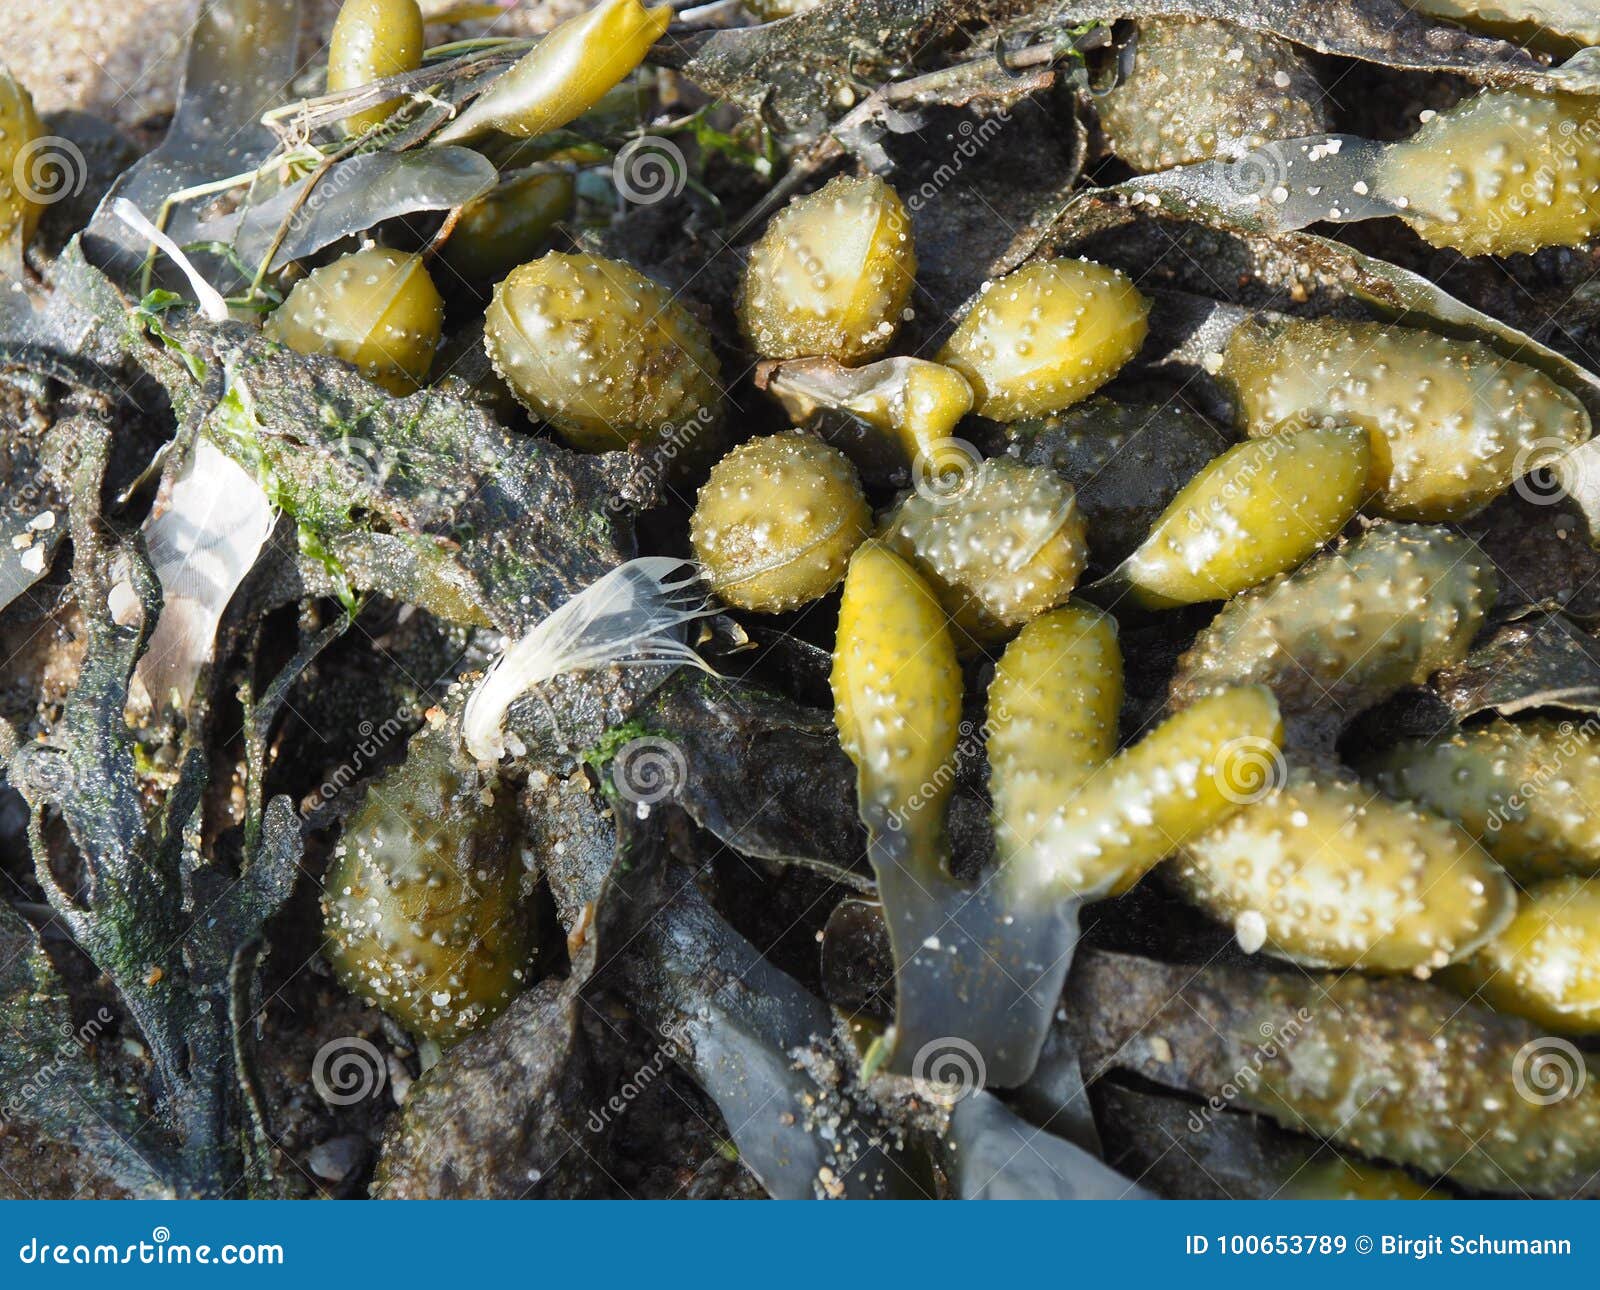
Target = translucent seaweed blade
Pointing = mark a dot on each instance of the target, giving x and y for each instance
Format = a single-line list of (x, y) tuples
[(241, 59), (633, 616), (1281, 186), (991, 1153), (352, 196), (201, 545), (972, 966)]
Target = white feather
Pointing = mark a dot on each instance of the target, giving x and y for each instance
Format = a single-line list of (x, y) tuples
[(631, 617), (203, 539)]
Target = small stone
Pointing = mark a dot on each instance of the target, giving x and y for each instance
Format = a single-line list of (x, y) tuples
[(337, 1158)]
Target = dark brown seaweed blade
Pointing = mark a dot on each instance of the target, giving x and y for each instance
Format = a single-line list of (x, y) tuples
[(793, 71), (49, 1078), (764, 775), (427, 499), (466, 1130), (75, 331), (176, 977), (1541, 661), (1205, 1151), (745, 1023), (739, 1024)]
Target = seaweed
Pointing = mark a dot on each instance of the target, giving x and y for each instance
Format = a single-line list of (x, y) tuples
[(677, 836), (1540, 660), (241, 56), (1388, 32), (1400, 1070), (167, 924)]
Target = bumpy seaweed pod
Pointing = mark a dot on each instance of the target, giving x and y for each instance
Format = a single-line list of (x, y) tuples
[(832, 275), (1546, 964), (1201, 88), (1040, 339), (373, 39), (1071, 820), (376, 309), (1529, 792), (601, 352), (1453, 424), (1394, 1069), (775, 524), (508, 226), (897, 701), (1259, 509), (1506, 171), (423, 906), (1327, 873), (568, 72), (1127, 461), (1354, 625), (1005, 544), (19, 127)]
